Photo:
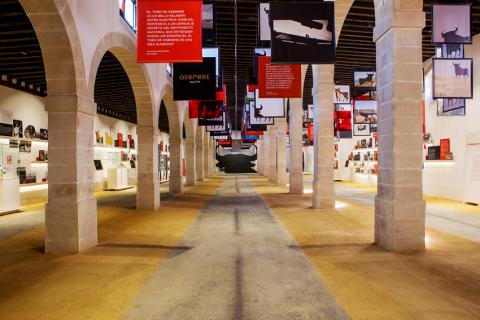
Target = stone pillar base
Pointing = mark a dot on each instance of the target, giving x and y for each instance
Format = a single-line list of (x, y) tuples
[(148, 196), (323, 195), (296, 183), (400, 225), (70, 228)]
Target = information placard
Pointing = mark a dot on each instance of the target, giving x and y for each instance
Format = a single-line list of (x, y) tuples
[(279, 80)]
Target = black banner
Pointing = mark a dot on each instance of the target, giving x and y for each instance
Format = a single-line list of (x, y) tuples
[(195, 81)]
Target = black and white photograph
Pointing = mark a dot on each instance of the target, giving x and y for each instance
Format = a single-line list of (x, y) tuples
[(13, 144), (341, 94), (302, 33), (452, 51), (365, 79), (29, 132), (461, 111), (263, 21), (259, 119), (361, 129), (221, 127), (208, 24), (452, 104), (25, 146), (343, 107), (452, 78), (6, 129), (268, 107), (98, 164), (17, 128), (451, 23), (44, 134), (365, 112)]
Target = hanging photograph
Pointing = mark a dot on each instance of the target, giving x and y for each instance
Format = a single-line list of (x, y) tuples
[(195, 81), (279, 80), (452, 51), (361, 129), (452, 104), (254, 119), (221, 127), (452, 78), (259, 52), (451, 23), (342, 94), (455, 112), (210, 113), (365, 112), (268, 107), (365, 79), (208, 24), (264, 24), (214, 53), (302, 33)]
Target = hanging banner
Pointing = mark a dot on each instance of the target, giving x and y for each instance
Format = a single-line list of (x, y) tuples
[(279, 80), (258, 119), (302, 33), (264, 26), (210, 113), (208, 24), (194, 81), (259, 52), (268, 108), (169, 31), (193, 109)]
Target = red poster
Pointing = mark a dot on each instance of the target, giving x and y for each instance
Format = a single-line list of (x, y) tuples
[(444, 148), (279, 80), (169, 31), (193, 109), (310, 131)]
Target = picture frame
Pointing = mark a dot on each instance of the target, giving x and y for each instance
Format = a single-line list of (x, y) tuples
[(452, 23), (365, 79), (460, 112), (98, 165), (453, 51), (17, 128), (365, 112), (361, 130), (264, 33), (452, 78), (341, 94)]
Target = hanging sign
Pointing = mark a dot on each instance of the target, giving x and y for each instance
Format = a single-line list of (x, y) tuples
[(279, 80), (169, 31), (194, 81)]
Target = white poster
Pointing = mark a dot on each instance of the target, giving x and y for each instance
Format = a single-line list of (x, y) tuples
[(258, 119), (264, 27), (268, 107)]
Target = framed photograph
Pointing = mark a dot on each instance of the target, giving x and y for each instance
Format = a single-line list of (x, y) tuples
[(268, 107), (452, 78), (6, 129), (342, 94), (452, 104), (361, 129), (451, 23), (452, 51), (30, 132), (263, 21), (25, 146), (343, 107), (13, 144), (17, 128), (365, 78), (365, 112), (302, 33), (374, 127), (98, 164), (44, 134), (311, 111), (452, 113), (208, 23)]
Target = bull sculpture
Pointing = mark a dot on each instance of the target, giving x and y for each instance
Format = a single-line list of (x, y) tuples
[(453, 37), (459, 71)]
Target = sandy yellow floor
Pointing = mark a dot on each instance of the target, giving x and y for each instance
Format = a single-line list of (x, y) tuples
[(442, 283), (100, 283)]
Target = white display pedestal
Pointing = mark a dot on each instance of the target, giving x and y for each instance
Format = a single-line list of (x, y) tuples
[(117, 179), (9, 194)]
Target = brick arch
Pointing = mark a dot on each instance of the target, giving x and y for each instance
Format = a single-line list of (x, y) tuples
[(175, 116), (123, 48)]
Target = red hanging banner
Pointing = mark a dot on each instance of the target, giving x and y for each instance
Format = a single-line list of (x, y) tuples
[(193, 109), (169, 31), (279, 80)]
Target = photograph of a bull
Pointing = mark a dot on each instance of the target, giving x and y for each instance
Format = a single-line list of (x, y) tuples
[(453, 37), (459, 71), (451, 24), (452, 78)]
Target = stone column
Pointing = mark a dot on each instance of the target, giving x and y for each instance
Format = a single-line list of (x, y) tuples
[(148, 186), (323, 183), (281, 174), (176, 183), (296, 146), (71, 211), (199, 156), (266, 153), (260, 152), (272, 158), (206, 152), (211, 145), (399, 205), (190, 152)]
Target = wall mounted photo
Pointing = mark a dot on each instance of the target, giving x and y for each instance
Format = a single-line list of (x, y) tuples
[(13, 144), (374, 127), (263, 21), (29, 132), (6, 129), (341, 94), (44, 134), (17, 128), (452, 113), (365, 112), (268, 107), (254, 120), (361, 129), (452, 51), (451, 23), (365, 79), (25, 146), (302, 33), (452, 78), (310, 111), (452, 104), (195, 81), (208, 24), (98, 164)]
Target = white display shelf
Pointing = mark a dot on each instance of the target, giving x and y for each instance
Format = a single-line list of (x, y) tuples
[(27, 187), (365, 149), (23, 139), (40, 162), (112, 148), (439, 163)]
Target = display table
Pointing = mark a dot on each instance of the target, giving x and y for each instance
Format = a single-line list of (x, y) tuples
[(117, 179), (9, 194)]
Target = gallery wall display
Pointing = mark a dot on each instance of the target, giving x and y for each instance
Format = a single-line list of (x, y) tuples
[(302, 33), (452, 78), (365, 112), (341, 94), (365, 78), (279, 80), (208, 23), (258, 119), (195, 81), (264, 24), (268, 107), (361, 129), (451, 23), (169, 31)]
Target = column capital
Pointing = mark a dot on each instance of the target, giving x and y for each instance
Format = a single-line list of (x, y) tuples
[(70, 103)]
